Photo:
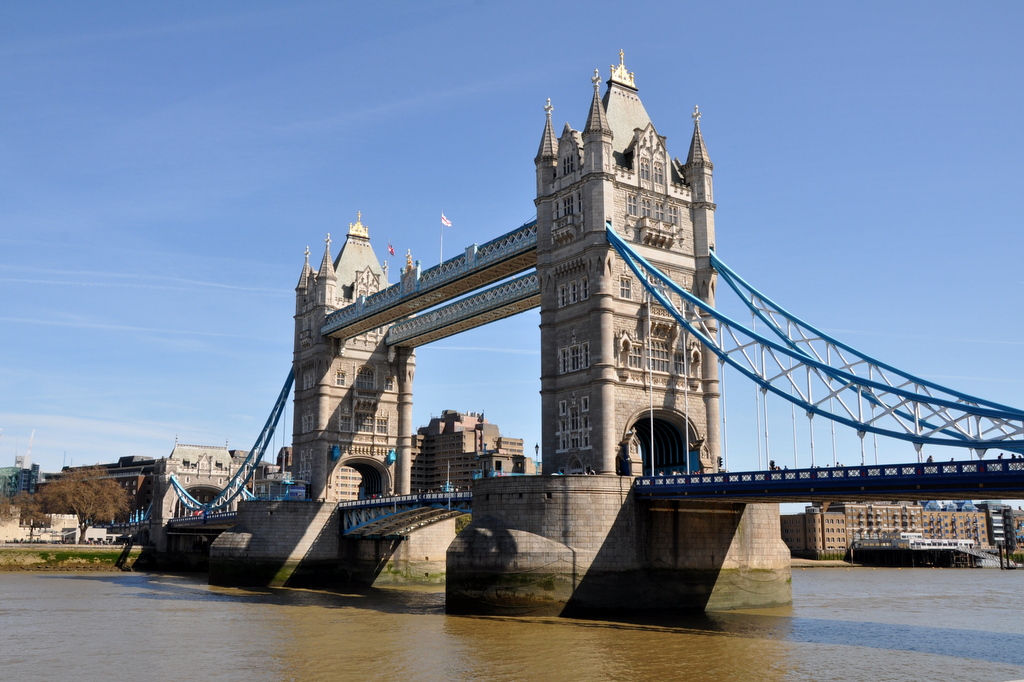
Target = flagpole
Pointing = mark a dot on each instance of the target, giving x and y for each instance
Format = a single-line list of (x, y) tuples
[(440, 252)]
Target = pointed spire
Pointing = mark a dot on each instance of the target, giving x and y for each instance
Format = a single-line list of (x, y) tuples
[(698, 151), (307, 273), (327, 264), (597, 121), (548, 150)]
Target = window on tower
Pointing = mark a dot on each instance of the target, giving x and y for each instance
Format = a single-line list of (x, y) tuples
[(645, 169), (631, 204), (659, 173), (645, 208), (365, 379), (626, 288)]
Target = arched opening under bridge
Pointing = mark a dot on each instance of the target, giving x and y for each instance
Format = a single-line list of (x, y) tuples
[(670, 445), (202, 494), (360, 478)]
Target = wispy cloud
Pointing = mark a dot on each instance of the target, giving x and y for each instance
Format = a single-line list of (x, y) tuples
[(135, 281), (120, 328)]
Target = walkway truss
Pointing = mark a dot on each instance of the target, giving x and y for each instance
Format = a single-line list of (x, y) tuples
[(237, 486), (394, 518), (825, 377)]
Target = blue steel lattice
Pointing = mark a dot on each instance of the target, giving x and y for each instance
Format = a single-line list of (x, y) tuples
[(895, 404)]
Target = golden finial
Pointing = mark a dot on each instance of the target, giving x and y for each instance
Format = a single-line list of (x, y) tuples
[(619, 73), (357, 229), (408, 259)]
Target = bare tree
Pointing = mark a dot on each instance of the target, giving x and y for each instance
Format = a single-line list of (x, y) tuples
[(88, 494), (31, 512)]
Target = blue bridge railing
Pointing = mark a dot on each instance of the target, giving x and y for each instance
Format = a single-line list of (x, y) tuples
[(918, 480)]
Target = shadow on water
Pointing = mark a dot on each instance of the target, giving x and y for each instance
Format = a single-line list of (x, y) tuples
[(193, 587), (968, 644)]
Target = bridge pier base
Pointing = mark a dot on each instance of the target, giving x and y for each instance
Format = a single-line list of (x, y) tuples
[(572, 545)]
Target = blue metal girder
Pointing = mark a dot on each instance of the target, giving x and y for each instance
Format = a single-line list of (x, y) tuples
[(359, 515), (506, 299), (236, 485), (906, 414), (912, 481)]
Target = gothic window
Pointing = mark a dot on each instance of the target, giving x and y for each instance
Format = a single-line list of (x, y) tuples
[(561, 408), (631, 204), (584, 288), (568, 206), (307, 379), (364, 422), (563, 434), (563, 297), (339, 378), (645, 208), (344, 422), (659, 356), (308, 422), (585, 404), (659, 212), (626, 288), (389, 383), (585, 432), (574, 291), (673, 215), (579, 202), (645, 169), (659, 173), (574, 357), (382, 425), (679, 363), (569, 164), (365, 378), (636, 356)]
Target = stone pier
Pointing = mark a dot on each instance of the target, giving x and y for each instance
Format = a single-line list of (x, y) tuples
[(276, 544), (570, 545)]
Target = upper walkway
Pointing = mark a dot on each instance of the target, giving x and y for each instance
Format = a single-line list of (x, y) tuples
[(479, 266)]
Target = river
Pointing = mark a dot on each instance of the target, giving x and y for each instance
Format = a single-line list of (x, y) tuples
[(858, 624)]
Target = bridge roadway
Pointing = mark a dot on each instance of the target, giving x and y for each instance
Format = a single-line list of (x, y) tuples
[(396, 517)]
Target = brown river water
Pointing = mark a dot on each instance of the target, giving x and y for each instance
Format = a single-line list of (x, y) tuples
[(859, 624)]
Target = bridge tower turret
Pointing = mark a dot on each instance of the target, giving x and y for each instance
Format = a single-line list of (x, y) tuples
[(618, 376), (346, 390)]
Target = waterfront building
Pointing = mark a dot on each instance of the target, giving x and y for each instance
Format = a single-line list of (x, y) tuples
[(830, 529), (458, 446)]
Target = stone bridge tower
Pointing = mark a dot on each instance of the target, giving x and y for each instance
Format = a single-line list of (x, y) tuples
[(351, 394), (607, 355)]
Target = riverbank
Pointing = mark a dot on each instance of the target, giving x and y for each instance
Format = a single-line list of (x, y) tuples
[(796, 562), (62, 557)]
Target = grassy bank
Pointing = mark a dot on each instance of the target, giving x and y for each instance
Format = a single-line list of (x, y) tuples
[(61, 558)]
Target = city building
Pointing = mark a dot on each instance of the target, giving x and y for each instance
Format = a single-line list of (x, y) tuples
[(18, 479), (830, 529), (458, 446)]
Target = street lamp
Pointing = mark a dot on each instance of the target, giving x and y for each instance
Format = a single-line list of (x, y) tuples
[(536, 450)]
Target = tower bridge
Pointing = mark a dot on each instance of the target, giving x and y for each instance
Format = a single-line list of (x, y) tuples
[(622, 262)]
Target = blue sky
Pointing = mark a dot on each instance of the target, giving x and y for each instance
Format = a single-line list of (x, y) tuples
[(163, 166)]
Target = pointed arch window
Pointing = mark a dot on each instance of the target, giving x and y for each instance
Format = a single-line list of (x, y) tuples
[(645, 169), (631, 205), (365, 378), (659, 173), (645, 208)]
